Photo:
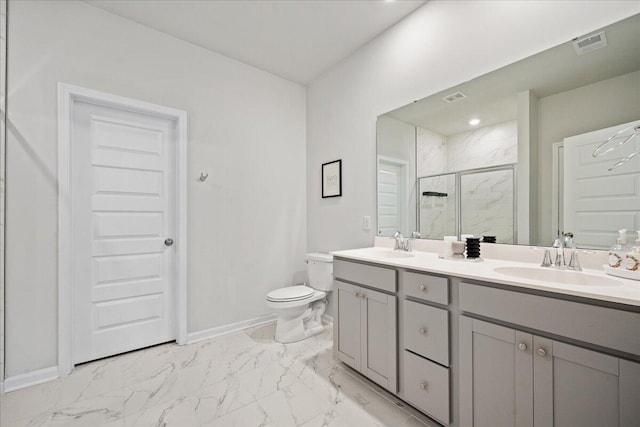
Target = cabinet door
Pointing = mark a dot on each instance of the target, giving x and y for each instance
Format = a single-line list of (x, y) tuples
[(496, 375), (579, 387), (379, 340), (348, 334)]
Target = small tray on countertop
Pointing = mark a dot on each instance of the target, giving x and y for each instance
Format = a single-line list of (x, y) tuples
[(622, 272)]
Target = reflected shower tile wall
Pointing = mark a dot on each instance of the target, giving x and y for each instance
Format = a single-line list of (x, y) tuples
[(488, 146), (431, 152), (488, 209), (487, 204), (438, 214)]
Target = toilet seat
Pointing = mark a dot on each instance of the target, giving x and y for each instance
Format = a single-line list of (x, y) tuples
[(290, 294)]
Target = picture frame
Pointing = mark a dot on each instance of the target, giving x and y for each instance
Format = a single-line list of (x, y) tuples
[(332, 179)]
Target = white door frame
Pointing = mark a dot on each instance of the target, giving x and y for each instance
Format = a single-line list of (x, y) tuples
[(557, 182), (67, 96)]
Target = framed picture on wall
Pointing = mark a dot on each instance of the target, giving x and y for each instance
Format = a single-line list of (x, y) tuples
[(332, 179)]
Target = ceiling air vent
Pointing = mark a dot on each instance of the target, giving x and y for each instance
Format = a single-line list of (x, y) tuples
[(590, 43), (457, 96)]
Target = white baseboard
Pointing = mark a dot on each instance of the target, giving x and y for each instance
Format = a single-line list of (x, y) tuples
[(327, 319), (30, 378), (227, 329)]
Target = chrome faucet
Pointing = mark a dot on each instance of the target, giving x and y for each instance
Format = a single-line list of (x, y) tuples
[(400, 242), (559, 245), (564, 240), (403, 244)]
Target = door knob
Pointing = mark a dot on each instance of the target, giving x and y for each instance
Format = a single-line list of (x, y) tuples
[(168, 242)]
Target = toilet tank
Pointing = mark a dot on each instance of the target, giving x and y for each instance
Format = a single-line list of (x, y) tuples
[(320, 269)]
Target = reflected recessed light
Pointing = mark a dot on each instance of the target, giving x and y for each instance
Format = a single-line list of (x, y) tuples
[(474, 122)]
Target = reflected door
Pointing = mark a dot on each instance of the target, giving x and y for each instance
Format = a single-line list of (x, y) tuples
[(597, 200), (391, 190)]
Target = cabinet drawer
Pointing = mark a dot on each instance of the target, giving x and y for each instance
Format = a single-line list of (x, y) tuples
[(426, 331), (426, 287), (368, 275), (603, 326), (426, 386)]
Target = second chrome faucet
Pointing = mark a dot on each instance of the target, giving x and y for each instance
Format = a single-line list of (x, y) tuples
[(562, 242)]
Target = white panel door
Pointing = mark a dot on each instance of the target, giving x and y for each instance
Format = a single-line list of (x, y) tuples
[(123, 181), (390, 197), (597, 201)]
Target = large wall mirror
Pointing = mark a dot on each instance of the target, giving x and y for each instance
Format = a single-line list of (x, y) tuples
[(510, 153)]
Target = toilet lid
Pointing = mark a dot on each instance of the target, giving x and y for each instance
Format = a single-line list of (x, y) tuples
[(290, 293)]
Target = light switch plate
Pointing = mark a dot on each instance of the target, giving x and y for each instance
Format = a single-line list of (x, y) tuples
[(366, 222)]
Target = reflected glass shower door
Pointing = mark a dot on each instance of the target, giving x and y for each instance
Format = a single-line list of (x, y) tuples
[(487, 204)]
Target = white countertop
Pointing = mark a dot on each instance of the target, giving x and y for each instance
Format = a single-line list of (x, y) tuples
[(618, 290)]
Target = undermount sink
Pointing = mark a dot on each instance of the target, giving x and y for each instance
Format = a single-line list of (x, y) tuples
[(388, 253), (551, 275), (398, 254)]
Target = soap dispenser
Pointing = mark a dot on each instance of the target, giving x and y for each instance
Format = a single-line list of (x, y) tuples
[(618, 252), (632, 261)]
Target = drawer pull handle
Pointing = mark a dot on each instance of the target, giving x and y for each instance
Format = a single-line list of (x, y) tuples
[(522, 346), (541, 352), (423, 386), (423, 331), (423, 288)]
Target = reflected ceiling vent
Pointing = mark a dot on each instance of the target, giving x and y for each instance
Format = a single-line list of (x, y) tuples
[(457, 96), (590, 43)]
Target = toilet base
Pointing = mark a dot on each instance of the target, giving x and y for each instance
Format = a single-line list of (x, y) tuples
[(297, 323)]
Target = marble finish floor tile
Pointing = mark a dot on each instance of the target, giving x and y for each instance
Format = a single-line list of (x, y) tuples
[(243, 379)]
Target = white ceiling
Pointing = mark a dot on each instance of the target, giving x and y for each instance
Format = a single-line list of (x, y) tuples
[(297, 40), (492, 97)]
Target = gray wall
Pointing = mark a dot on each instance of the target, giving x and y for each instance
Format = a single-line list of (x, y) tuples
[(3, 93), (438, 46), (246, 129), (573, 113)]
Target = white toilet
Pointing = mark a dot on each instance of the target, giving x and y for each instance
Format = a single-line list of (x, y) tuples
[(300, 308)]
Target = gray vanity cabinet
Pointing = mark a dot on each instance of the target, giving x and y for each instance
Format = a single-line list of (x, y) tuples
[(488, 355), (513, 378), (366, 337), (425, 380), (496, 377), (574, 386)]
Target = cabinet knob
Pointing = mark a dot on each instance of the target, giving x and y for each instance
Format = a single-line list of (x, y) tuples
[(541, 352), (423, 288), (522, 346), (363, 295), (358, 294), (423, 331), (423, 386)]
